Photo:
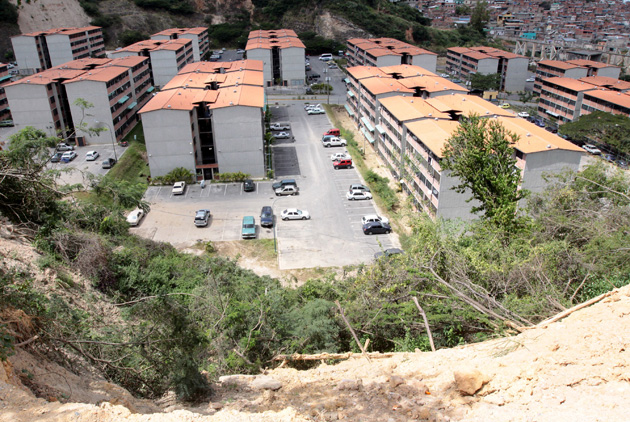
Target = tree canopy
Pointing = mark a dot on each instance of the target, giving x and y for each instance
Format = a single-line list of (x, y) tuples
[(481, 155), (483, 82), (607, 128)]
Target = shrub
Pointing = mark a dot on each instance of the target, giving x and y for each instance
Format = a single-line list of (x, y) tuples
[(176, 175), (231, 177)]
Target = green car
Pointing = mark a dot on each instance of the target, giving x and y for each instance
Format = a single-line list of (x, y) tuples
[(249, 227)]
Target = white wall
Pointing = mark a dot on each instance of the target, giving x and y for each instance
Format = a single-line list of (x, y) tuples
[(164, 66), (292, 60), (95, 93), (168, 139), (59, 49), (611, 72), (195, 45), (29, 106), (264, 55), (488, 66), (552, 161), (121, 53), (425, 61), (576, 73), (453, 205), (238, 135), (25, 50), (516, 74), (383, 61)]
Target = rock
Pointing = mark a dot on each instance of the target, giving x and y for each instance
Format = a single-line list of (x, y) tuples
[(350, 385), (468, 382), (265, 382), (495, 399), (216, 405), (395, 381)]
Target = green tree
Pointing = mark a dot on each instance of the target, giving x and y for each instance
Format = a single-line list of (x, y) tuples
[(483, 82), (480, 16), (480, 153), (610, 129)]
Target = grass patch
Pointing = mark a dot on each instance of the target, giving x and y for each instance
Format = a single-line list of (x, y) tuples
[(132, 166)]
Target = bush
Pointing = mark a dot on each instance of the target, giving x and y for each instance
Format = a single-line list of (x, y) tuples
[(380, 185), (231, 177), (176, 175), (180, 7), (8, 12)]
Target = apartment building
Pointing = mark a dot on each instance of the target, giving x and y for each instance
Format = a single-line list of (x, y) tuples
[(614, 102), (574, 69), (463, 62), (561, 98), (414, 131), (381, 52), (167, 57), (368, 85), (199, 37), (208, 119), (116, 88), (282, 54), (5, 78), (45, 49)]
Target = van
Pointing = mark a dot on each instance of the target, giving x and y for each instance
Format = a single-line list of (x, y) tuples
[(334, 132), (283, 183), (326, 57)]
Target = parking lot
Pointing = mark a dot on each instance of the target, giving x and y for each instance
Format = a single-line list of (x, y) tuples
[(332, 237), (76, 169)]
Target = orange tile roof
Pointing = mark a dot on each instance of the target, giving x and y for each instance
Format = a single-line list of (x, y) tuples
[(406, 70), (278, 33), (433, 133), (466, 105), (431, 84), (100, 74), (128, 61), (607, 82), (381, 51), (411, 108), (558, 64), (48, 76), (194, 80), (268, 43), (173, 44), (362, 72), (242, 95), (589, 63), (613, 97), (82, 64), (379, 86), (459, 50), (568, 83), (478, 55), (218, 67), (141, 46), (535, 139)]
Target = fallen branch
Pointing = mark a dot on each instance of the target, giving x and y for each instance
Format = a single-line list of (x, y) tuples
[(426, 322), (335, 356), (351, 330), (568, 312)]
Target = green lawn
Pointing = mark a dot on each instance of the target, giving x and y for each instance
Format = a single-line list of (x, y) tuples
[(132, 166)]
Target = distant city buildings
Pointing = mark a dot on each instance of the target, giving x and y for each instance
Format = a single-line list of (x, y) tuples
[(117, 89), (45, 49), (282, 54), (463, 62), (380, 52), (208, 119)]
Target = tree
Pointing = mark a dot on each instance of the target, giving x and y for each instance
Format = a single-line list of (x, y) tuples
[(480, 16), (610, 129), (483, 82), (480, 153)]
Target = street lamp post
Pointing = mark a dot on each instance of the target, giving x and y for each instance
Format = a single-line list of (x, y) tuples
[(111, 133), (273, 204)]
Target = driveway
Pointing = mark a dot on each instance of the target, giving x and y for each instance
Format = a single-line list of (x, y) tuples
[(332, 237), (76, 170)]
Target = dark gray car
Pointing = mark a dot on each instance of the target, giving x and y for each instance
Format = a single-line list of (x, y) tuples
[(266, 217)]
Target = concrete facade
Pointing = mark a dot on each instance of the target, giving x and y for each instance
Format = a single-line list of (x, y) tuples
[(381, 52), (198, 36), (5, 79), (282, 54)]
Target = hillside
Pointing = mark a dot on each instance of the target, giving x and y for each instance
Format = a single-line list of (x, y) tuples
[(573, 369)]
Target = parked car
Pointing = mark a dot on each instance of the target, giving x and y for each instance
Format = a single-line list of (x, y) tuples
[(295, 214), (68, 156), (622, 163), (592, 149), (64, 147), (505, 105), (56, 157), (357, 195), (179, 188), (334, 142), (202, 217), (266, 216), (376, 227), (280, 126), (135, 216), (388, 252), (249, 185), (109, 163), (539, 122), (284, 182), (287, 190), (445, 75), (523, 114), (248, 228), (91, 156), (532, 79), (342, 164), (370, 218), (356, 186), (309, 106), (240, 51), (340, 156), (333, 131), (315, 111), (282, 135), (326, 57), (610, 158)]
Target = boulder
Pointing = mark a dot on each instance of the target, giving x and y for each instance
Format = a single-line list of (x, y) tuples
[(468, 382), (264, 382)]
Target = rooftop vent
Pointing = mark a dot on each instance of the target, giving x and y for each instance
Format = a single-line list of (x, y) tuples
[(168, 106), (548, 146), (231, 103), (528, 134)]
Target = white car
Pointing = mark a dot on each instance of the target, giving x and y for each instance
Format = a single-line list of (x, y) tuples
[(371, 218), (135, 216), (280, 126), (445, 75), (358, 195), (530, 80), (179, 188), (91, 156), (592, 149), (340, 156), (68, 156), (295, 214), (315, 111), (240, 51), (310, 106), (281, 135), (523, 114), (334, 142)]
